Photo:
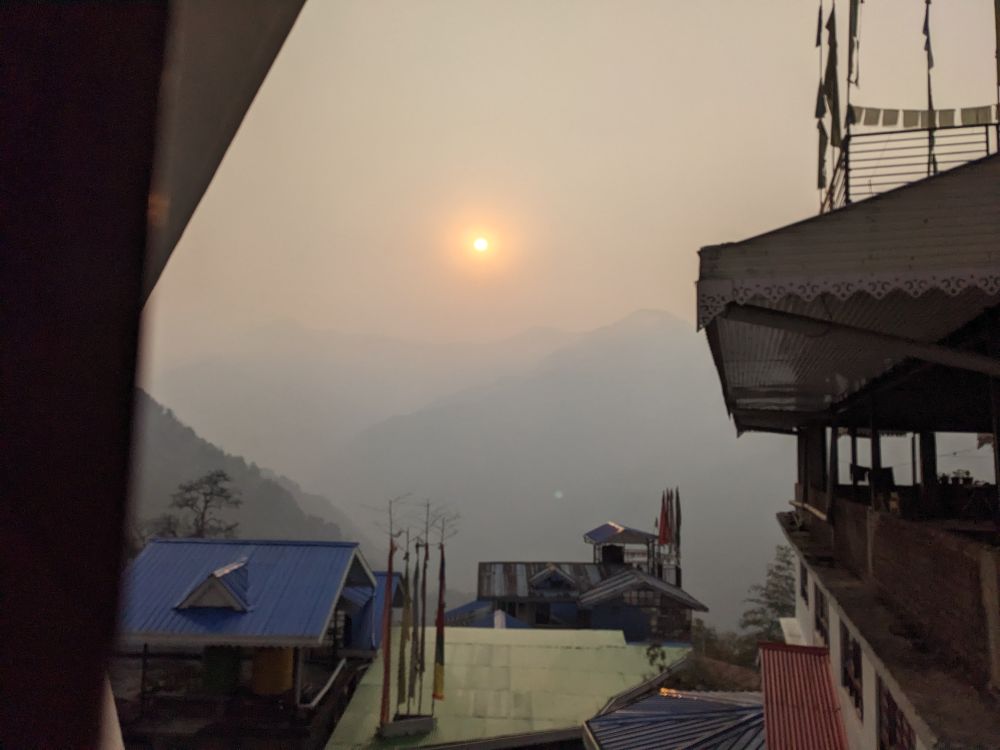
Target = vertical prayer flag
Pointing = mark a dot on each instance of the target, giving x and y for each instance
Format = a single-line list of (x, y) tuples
[(415, 640), (996, 23), (404, 632), (823, 142), (387, 638), (927, 34), (662, 530), (677, 520), (421, 661), (831, 86), (671, 525), (438, 693), (853, 44)]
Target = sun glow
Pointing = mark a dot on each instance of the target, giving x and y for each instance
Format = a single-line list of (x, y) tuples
[(481, 245)]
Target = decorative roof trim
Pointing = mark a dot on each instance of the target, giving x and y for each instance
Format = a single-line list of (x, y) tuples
[(548, 573), (220, 586), (715, 294)]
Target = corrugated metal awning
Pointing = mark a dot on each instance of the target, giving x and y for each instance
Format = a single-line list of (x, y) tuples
[(800, 706), (916, 264)]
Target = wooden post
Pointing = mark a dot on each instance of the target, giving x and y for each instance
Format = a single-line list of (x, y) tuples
[(927, 447), (994, 346), (989, 578), (142, 680), (297, 673), (832, 474), (854, 463), (876, 468)]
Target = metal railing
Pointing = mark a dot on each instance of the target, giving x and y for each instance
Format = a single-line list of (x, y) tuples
[(875, 162)]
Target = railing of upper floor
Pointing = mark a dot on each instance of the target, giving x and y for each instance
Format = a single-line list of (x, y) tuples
[(874, 162)]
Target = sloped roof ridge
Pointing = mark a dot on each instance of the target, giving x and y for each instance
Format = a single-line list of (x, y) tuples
[(257, 542)]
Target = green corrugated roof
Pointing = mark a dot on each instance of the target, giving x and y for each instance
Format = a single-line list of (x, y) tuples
[(500, 682)]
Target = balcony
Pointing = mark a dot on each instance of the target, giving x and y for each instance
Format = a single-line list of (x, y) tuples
[(875, 162)]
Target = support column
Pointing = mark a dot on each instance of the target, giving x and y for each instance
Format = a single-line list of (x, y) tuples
[(832, 474), (995, 424), (989, 573), (927, 445), (297, 673), (876, 468), (854, 463), (815, 448), (142, 680)]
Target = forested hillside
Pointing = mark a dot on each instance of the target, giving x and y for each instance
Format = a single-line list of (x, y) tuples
[(169, 452)]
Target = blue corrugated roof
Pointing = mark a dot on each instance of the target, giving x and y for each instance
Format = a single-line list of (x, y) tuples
[(470, 609), (479, 614), (682, 721), (367, 627), (290, 588)]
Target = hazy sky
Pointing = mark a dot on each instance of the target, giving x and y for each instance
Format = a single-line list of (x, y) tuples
[(597, 145)]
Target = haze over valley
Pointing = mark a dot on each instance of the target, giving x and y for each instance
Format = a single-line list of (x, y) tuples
[(534, 439)]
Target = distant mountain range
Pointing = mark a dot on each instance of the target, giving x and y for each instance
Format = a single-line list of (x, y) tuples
[(534, 440)]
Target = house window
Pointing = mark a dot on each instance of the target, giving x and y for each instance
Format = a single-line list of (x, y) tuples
[(803, 582), (850, 669), (894, 731), (822, 616)]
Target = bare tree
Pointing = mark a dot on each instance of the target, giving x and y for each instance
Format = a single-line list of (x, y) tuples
[(200, 500)]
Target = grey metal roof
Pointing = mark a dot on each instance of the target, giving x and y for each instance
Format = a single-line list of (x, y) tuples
[(682, 721), (615, 533), (513, 580), (917, 263), (631, 579)]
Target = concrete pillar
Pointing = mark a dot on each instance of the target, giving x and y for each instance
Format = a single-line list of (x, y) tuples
[(989, 573)]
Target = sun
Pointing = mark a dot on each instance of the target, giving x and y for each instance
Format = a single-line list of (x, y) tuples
[(481, 245)]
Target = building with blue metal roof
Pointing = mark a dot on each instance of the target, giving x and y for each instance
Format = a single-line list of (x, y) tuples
[(632, 585), (480, 613), (238, 592), (226, 640), (368, 606)]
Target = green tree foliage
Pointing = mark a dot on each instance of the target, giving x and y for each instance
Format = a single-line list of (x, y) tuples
[(773, 599), (769, 601), (200, 502)]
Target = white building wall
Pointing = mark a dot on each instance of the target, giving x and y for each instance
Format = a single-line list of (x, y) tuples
[(862, 732)]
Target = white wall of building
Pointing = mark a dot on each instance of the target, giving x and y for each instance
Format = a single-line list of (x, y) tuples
[(862, 732)]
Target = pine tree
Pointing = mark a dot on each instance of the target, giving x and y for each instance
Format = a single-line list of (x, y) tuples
[(773, 599)]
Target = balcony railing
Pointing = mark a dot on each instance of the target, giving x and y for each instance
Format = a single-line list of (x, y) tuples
[(874, 162)]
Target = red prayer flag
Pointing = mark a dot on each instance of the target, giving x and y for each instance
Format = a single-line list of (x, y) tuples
[(663, 530)]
